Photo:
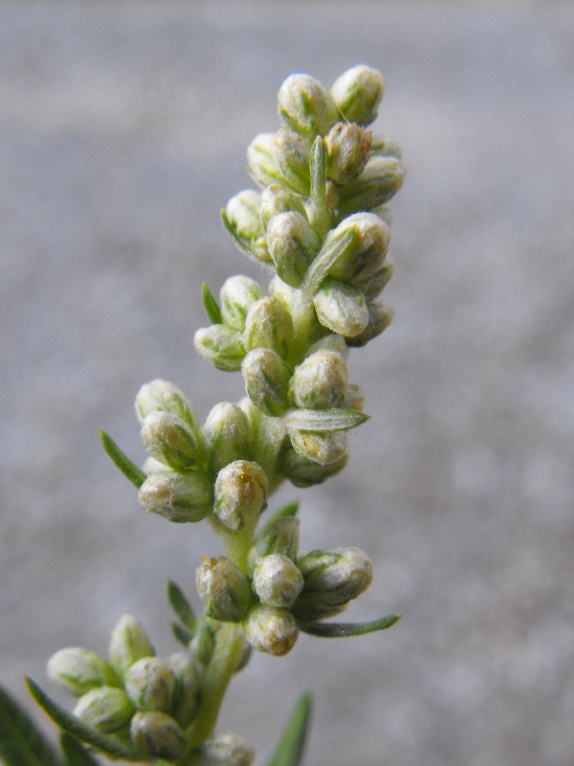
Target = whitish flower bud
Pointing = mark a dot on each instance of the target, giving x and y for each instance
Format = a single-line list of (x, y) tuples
[(150, 684), (271, 629), (293, 155), (269, 325), (323, 448), (157, 735), (319, 381), (305, 106), (224, 589), (281, 537), (187, 694), (303, 472), (354, 398), (293, 244), (357, 93), (237, 295), (341, 308), (277, 199), (373, 286), (347, 150), (78, 670), (128, 644), (170, 440), (385, 147), (225, 750), (266, 378), (365, 253), (380, 317), (105, 709), (242, 212), (226, 433), (380, 180), (240, 494), (177, 497), (162, 396), (261, 163), (277, 580), (300, 306), (336, 576), (220, 345), (151, 465)]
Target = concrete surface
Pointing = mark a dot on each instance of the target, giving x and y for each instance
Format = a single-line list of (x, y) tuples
[(123, 128)]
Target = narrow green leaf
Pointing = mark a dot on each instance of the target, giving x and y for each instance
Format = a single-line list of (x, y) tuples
[(326, 258), (77, 728), (233, 234), (76, 754), (129, 469), (210, 305), (324, 420), (345, 629), (181, 634), (181, 605), (21, 743), (289, 751)]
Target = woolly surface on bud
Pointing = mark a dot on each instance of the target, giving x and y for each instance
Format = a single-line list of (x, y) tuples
[(240, 494), (380, 180), (364, 256), (281, 536), (237, 295), (77, 670), (347, 148), (303, 472), (128, 643), (336, 575), (220, 345), (354, 398), (177, 497), (170, 440), (277, 580), (293, 155), (341, 308), (322, 448), (266, 378), (374, 285), (319, 381), (150, 684), (157, 734), (271, 630), (227, 749), (380, 317), (160, 395), (243, 214), (330, 342), (357, 94), (293, 244), (226, 432), (187, 694), (106, 709), (277, 199), (305, 106), (269, 325), (224, 589), (261, 163)]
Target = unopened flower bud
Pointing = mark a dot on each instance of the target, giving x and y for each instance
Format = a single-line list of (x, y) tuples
[(357, 93), (269, 325), (157, 735), (277, 580), (323, 448), (78, 670), (380, 317), (242, 215), (354, 398), (224, 589), (162, 396), (373, 286), (105, 709), (150, 684), (226, 433), (261, 163), (266, 378), (277, 199), (128, 644), (303, 472), (237, 295), (177, 497), (336, 576), (281, 537), (341, 308), (187, 694), (240, 494), (293, 155), (301, 309), (225, 750), (293, 244), (220, 345), (347, 150), (330, 342), (380, 180), (319, 381), (271, 629), (171, 441), (365, 253), (384, 147), (305, 106)]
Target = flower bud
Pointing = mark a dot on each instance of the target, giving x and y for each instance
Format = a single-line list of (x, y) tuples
[(293, 155), (323, 448), (225, 749), (293, 244), (240, 494), (244, 657), (224, 589), (365, 253), (266, 378), (357, 94), (187, 694), (150, 684), (384, 147), (271, 629), (305, 106), (347, 150), (380, 180), (242, 213), (303, 472), (320, 381), (157, 735), (177, 497), (277, 199), (128, 644), (170, 440), (336, 576), (341, 308), (277, 580), (373, 286), (237, 295), (221, 345), (162, 396), (380, 317), (78, 670), (226, 433), (300, 307), (261, 163), (281, 537), (269, 325), (354, 398), (330, 342), (105, 709)]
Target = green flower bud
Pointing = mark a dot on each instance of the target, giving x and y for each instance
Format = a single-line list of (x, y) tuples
[(380, 317), (293, 244), (330, 342), (310, 608), (150, 684), (269, 325), (341, 308), (266, 378), (281, 537), (365, 253), (244, 657), (170, 440), (157, 735), (303, 472), (293, 155), (277, 199), (242, 214), (305, 106), (347, 150), (226, 433), (105, 709), (354, 398), (78, 670), (373, 286), (320, 381), (221, 345), (223, 750), (240, 494), (300, 307), (261, 163), (271, 629), (128, 644), (203, 643), (187, 693), (237, 295), (336, 576), (277, 580), (224, 589), (162, 396), (380, 180), (177, 497), (357, 93), (384, 147), (323, 448)]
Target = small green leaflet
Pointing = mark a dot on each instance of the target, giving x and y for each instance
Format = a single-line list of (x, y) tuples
[(129, 469), (21, 743), (323, 421), (346, 629), (289, 751)]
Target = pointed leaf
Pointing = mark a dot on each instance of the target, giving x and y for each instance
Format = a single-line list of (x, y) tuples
[(210, 305), (324, 420), (181, 634), (290, 748), (345, 629), (77, 728), (233, 234), (21, 743), (329, 254), (181, 605), (76, 754), (129, 469)]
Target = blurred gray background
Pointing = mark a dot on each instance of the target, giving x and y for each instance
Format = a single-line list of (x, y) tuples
[(123, 129)]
